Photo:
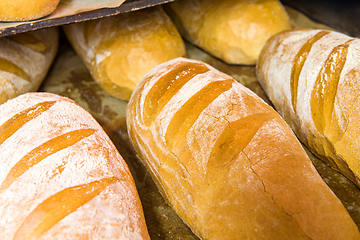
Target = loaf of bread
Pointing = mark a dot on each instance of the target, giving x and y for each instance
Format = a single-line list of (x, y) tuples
[(313, 79), (226, 161), (25, 60), (24, 10), (61, 177), (232, 30), (120, 50)]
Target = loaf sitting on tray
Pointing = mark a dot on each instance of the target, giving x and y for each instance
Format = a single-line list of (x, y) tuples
[(61, 177), (24, 10), (226, 161), (25, 60), (120, 50), (313, 79), (232, 30)]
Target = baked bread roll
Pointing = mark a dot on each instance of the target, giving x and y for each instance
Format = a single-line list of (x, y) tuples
[(24, 10), (25, 60), (227, 162), (313, 79), (232, 30), (120, 50), (61, 177)]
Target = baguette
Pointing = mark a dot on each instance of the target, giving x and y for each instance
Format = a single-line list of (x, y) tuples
[(227, 162), (25, 60), (312, 78), (25, 10), (231, 30), (61, 177), (120, 50)]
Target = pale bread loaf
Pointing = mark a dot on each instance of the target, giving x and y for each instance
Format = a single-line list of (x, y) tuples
[(313, 79), (232, 30), (226, 161), (120, 50), (61, 176), (25, 60)]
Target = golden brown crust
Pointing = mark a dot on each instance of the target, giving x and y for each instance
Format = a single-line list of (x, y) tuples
[(233, 30), (120, 50), (23, 10), (226, 161), (61, 176), (311, 76), (25, 60)]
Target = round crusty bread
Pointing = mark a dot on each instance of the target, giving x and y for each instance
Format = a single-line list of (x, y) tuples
[(61, 176), (24, 10), (226, 161), (232, 30), (25, 60), (120, 50), (313, 79)]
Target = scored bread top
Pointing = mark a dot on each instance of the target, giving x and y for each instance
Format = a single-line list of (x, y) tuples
[(61, 177), (25, 59), (226, 161), (312, 78)]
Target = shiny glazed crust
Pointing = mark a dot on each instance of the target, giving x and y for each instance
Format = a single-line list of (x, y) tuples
[(120, 50), (25, 60), (312, 78), (227, 163), (232, 30), (23, 10), (61, 177)]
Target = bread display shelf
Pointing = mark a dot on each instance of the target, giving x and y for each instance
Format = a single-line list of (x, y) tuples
[(127, 6), (69, 77)]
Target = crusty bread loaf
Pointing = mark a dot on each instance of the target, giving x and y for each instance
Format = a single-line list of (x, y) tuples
[(313, 79), (25, 60), (232, 30), (120, 50), (24, 10), (61, 177), (227, 162), (69, 70)]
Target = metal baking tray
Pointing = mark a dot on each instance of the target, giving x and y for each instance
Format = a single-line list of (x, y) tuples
[(127, 6)]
